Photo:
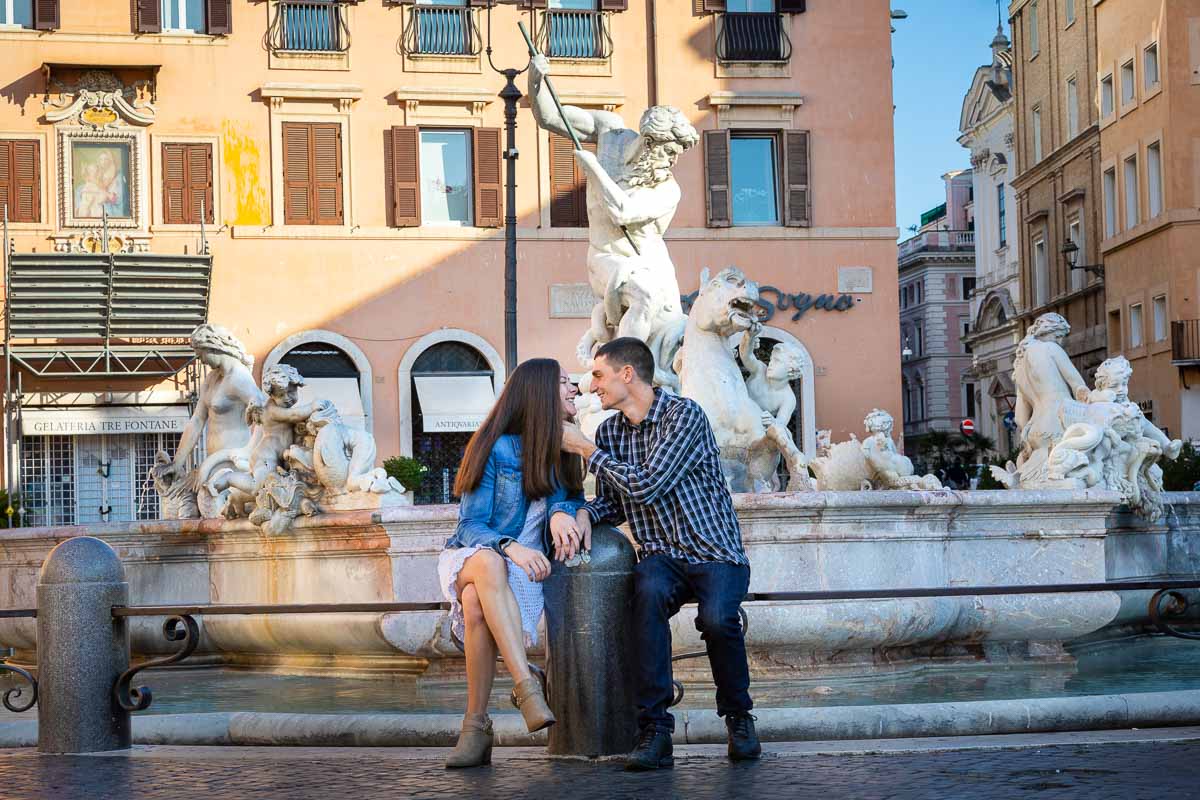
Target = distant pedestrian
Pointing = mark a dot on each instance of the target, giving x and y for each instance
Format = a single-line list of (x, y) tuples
[(656, 465)]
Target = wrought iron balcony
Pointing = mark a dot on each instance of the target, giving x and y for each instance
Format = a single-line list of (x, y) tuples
[(309, 26), (1185, 342), (574, 33), (441, 30), (753, 36)]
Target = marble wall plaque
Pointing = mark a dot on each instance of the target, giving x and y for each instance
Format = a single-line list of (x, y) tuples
[(571, 301), (855, 280)]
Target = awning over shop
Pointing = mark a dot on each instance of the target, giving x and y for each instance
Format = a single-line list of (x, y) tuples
[(343, 392), (97, 420), (454, 403)]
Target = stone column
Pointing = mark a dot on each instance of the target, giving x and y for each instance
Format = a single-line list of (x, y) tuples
[(81, 649), (588, 613)]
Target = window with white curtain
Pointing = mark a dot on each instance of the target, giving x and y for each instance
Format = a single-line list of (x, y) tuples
[(183, 16), (1160, 318), (1131, 192), (1150, 66), (1135, 325), (1110, 202)]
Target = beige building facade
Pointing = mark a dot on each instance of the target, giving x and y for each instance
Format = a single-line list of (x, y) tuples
[(1148, 79), (326, 180), (1057, 183)]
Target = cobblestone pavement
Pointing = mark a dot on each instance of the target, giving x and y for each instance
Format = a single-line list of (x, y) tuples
[(1095, 769)]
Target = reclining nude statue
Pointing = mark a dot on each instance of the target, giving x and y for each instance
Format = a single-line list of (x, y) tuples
[(631, 199), (295, 458), (1076, 438), (874, 463), (219, 417)]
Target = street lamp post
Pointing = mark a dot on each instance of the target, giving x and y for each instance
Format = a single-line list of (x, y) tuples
[(510, 94)]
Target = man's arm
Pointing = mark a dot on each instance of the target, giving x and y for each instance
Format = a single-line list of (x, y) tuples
[(604, 507), (679, 449), (587, 124)]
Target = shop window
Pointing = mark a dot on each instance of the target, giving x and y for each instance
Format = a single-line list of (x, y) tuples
[(47, 480), (438, 447)]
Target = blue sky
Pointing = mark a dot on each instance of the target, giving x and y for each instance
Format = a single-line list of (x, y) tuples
[(937, 50)]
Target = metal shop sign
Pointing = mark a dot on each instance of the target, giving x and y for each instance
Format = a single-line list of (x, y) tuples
[(771, 300), (94, 421)]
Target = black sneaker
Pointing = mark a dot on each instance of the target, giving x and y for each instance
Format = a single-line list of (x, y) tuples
[(653, 750), (743, 740)]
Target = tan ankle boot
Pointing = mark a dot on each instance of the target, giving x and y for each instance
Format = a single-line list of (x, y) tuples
[(527, 696), (474, 743)]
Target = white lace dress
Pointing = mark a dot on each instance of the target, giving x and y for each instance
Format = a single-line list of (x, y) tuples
[(528, 592)]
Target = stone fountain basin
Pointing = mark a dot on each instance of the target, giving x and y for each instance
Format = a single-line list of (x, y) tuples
[(796, 542)]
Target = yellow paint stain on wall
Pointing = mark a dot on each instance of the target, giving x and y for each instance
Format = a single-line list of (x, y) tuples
[(243, 162)]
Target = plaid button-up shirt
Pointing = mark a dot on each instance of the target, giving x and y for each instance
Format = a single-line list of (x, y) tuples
[(664, 476)]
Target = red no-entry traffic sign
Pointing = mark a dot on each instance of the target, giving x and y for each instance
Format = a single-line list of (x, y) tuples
[(967, 427)]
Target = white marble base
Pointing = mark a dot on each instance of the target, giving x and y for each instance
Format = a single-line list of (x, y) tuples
[(796, 542)]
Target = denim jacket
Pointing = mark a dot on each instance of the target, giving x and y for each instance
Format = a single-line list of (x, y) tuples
[(493, 513)]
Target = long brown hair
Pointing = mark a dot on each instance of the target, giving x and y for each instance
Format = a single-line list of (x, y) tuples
[(530, 407)]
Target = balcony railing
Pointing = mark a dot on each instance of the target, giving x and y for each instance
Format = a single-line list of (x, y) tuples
[(938, 240), (753, 36), (442, 31), (1185, 341), (574, 33), (309, 26)]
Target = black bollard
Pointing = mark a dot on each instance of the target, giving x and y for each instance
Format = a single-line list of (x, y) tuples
[(588, 614)]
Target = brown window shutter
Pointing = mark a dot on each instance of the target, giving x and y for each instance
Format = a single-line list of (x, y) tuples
[(716, 177), (714, 6), (6, 175), (26, 181), (327, 173), (797, 198), (406, 177), (297, 175), (147, 16), (564, 199), (614, 5), (489, 190), (174, 184), (199, 183), (218, 16), (792, 6), (568, 184), (45, 15)]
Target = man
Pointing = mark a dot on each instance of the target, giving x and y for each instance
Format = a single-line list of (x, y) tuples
[(656, 465)]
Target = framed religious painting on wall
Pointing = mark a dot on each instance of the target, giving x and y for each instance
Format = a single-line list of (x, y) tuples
[(100, 177)]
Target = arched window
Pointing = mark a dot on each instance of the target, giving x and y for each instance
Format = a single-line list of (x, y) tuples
[(452, 390), (334, 368)]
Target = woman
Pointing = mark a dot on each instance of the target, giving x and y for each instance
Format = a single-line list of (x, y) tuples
[(515, 483)]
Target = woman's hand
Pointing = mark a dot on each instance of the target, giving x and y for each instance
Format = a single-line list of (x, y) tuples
[(533, 562), (583, 521), (564, 530)]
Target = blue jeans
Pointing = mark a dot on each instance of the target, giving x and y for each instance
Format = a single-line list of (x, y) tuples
[(661, 585)]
